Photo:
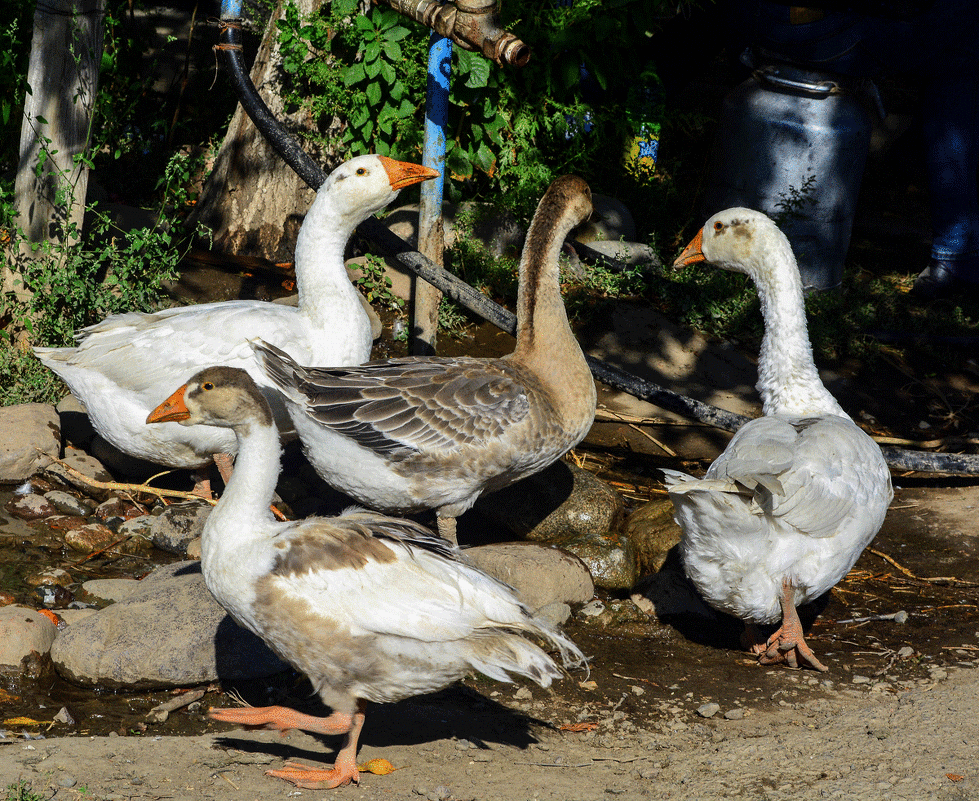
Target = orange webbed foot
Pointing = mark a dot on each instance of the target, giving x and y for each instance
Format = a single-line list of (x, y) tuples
[(314, 779)]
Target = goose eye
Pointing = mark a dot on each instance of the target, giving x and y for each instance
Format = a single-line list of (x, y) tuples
[(718, 226), (207, 385), (361, 171)]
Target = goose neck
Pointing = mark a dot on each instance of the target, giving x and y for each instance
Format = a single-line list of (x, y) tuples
[(321, 277), (788, 380), (243, 511)]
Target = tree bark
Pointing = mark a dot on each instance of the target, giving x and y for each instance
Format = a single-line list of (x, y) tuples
[(253, 201), (52, 180)]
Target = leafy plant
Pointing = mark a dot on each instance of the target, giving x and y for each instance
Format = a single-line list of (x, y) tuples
[(21, 791), (376, 286)]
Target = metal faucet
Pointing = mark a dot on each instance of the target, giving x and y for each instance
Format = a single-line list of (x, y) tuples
[(472, 24)]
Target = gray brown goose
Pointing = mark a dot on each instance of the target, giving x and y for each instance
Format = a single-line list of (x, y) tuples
[(404, 435), (370, 607)]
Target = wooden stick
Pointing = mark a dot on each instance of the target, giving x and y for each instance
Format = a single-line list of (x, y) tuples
[(137, 488)]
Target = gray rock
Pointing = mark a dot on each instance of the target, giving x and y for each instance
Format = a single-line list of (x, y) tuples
[(90, 537), (138, 527), (88, 466), (560, 501), (179, 524), (170, 633), (653, 532), (30, 507), (108, 590), (610, 220), (22, 631), (708, 710), (30, 437), (540, 575), (592, 609), (68, 504), (610, 557), (55, 576), (556, 613)]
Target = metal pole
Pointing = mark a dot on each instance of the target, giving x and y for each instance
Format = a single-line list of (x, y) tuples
[(425, 297)]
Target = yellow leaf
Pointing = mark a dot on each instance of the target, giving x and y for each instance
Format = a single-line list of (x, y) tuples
[(21, 722), (379, 767)]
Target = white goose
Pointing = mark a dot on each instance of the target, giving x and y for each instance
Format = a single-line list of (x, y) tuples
[(782, 515), (122, 366), (371, 608), (405, 435)]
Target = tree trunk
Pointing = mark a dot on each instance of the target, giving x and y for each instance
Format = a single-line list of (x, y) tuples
[(52, 180), (253, 201)]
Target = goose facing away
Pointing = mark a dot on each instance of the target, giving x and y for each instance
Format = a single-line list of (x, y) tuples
[(122, 366), (370, 607), (405, 435), (786, 510)]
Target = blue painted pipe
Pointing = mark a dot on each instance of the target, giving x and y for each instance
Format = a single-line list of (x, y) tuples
[(436, 124)]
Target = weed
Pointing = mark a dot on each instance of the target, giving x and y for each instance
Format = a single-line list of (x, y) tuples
[(376, 285), (21, 791)]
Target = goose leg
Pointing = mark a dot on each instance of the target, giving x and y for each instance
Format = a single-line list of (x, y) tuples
[(225, 465), (344, 769), (447, 529), (788, 643), (283, 719), (280, 718)]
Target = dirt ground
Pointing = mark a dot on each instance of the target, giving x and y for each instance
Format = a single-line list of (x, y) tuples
[(894, 718)]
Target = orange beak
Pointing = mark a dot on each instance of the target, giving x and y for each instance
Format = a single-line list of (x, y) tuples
[(172, 410), (403, 173), (692, 252)]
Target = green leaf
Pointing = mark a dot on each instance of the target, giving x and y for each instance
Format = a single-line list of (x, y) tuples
[(359, 114), (388, 74), (392, 50), (397, 33), (373, 69), (364, 24), (372, 51), (353, 74), (479, 73), (485, 159), (373, 93)]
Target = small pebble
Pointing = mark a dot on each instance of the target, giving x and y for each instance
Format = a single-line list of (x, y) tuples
[(734, 714), (860, 680), (592, 608), (708, 710), (523, 694), (67, 781), (901, 617)]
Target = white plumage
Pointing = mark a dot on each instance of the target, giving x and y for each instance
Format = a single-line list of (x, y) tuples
[(122, 366), (370, 607), (783, 513)]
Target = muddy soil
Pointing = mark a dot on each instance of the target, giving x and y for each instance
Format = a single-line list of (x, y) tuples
[(894, 717)]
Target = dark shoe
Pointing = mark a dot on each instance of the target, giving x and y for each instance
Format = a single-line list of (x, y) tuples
[(944, 280)]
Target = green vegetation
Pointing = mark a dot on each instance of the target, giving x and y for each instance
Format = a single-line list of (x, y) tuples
[(21, 791), (361, 77)]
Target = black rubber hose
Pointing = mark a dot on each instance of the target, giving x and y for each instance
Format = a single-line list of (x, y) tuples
[(474, 300)]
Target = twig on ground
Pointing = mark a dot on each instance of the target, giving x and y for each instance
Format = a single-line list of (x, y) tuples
[(132, 488), (161, 712)]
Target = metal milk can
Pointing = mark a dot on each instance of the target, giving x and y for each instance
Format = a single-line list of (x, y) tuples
[(793, 143)]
